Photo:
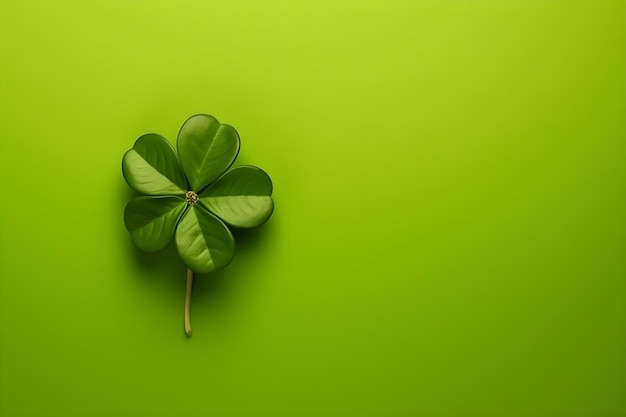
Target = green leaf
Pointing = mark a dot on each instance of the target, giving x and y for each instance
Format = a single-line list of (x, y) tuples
[(241, 197), (151, 220), (204, 243), (151, 167), (206, 148)]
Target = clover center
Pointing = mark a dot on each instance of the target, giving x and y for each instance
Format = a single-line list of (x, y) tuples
[(191, 198)]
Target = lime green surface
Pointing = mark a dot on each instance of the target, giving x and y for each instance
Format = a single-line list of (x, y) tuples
[(449, 236)]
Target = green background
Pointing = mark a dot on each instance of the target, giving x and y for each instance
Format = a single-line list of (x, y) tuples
[(449, 232)]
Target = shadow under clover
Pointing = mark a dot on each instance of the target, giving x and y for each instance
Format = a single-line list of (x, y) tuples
[(165, 269), (221, 284)]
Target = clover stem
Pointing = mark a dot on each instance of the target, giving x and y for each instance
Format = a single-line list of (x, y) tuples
[(188, 302)]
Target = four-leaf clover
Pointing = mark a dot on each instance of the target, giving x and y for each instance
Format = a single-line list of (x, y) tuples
[(195, 198)]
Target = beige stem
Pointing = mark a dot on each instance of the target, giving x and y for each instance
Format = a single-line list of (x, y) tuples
[(188, 302)]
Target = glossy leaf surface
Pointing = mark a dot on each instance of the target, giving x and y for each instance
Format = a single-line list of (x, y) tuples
[(203, 241), (151, 167), (206, 148), (241, 197), (151, 220)]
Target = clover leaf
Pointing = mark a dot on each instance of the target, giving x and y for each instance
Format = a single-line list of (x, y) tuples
[(193, 195)]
